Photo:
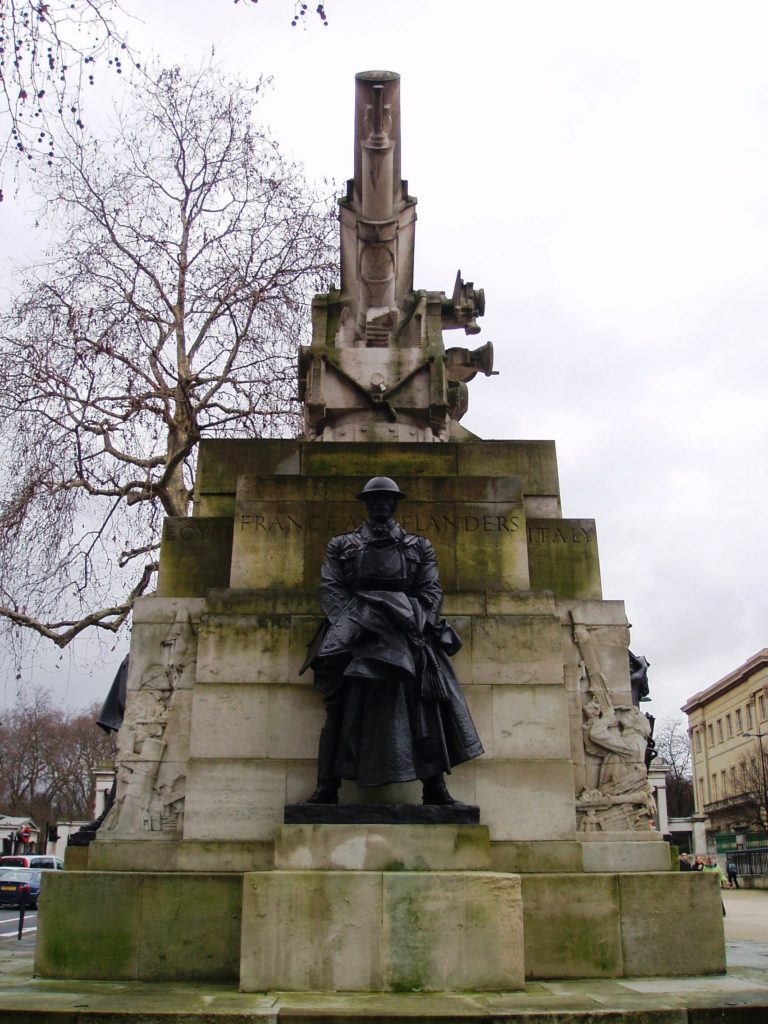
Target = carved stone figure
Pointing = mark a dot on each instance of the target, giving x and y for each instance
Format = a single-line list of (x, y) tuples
[(616, 739), (148, 799), (377, 369), (394, 708)]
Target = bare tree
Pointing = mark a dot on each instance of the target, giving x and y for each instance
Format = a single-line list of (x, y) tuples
[(674, 749), (51, 50), (753, 782), (300, 9), (169, 309), (48, 50), (47, 758)]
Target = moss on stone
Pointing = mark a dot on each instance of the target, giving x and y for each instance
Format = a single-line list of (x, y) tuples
[(195, 555), (563, 557)]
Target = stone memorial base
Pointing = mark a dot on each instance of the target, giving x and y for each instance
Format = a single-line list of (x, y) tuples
[(210, 868), (379, 931), (377, 908)]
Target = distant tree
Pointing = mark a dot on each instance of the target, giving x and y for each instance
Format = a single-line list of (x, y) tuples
[(674, 749), (47, 758), (170, 308)]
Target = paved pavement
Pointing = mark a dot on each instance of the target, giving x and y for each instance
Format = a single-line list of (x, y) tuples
[(739, 996)]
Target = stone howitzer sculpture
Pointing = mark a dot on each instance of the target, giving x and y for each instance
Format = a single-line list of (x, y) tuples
[(377, 369)]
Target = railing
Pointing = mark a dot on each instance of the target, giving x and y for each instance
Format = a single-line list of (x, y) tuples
[(725, 842), (751, 862)]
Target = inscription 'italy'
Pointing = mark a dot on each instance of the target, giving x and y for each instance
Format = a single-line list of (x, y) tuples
[(560, 535)]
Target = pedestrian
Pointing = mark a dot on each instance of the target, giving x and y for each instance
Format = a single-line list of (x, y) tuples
[(710, 864), (698, 863), (733, 873), (684, 863)]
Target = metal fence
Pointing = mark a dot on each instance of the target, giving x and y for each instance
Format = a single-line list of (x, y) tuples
[(750, 862), (725, 842)]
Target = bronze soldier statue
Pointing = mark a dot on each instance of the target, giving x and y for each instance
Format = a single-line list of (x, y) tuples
[(394, 708)]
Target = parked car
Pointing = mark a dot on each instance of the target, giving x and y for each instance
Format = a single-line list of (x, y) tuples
[(31, 860), (16, 883)]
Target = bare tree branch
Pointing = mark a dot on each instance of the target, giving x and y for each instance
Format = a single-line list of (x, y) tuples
[(49, 50), (170, 308)]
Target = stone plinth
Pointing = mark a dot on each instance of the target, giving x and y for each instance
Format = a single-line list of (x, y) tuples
[(632, 851), (305, 813), (297, 927), (622, 925), (369, 931), (139, 925), (382, 848)]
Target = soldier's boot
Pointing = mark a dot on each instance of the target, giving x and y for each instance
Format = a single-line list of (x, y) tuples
[(327, 792), (435, 791)]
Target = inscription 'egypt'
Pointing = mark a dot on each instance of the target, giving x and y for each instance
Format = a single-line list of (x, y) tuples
[(284, 522)]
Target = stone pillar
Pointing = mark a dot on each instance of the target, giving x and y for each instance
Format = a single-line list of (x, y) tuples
[(700, 835)]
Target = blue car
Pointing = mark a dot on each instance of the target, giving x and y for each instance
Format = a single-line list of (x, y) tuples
[(17, 884)]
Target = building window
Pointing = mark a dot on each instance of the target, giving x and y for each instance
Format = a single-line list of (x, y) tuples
[(714, 785), (711, 736), (698, 741), (719, 730), (750, 722), (729, 726), (739, 722), (723, 784), (761, 702), (701, 796), (734, 787)]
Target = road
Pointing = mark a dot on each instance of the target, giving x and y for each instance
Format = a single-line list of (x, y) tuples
[(746, 915), (9, 929)]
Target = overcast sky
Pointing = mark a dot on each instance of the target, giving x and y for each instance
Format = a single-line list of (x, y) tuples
[(601, 170)]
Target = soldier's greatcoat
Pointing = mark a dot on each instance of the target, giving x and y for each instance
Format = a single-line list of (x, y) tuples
[(395, 708)]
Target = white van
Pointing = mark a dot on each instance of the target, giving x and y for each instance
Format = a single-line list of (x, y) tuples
[(38, 861)]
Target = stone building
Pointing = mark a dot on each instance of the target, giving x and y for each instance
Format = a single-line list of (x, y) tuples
[(728, 727)]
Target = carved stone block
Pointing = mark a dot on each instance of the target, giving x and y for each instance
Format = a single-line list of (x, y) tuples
[(371, 931), (382, 848)]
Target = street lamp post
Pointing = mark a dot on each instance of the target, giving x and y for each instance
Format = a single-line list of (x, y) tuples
[(759, 737)]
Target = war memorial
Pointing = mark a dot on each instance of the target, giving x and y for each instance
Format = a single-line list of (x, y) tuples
[(479, 815)]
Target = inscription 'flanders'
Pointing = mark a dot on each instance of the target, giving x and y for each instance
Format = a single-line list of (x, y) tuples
[(441, 523)]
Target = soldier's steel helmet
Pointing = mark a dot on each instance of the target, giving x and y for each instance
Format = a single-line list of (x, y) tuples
[(379, 485)]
